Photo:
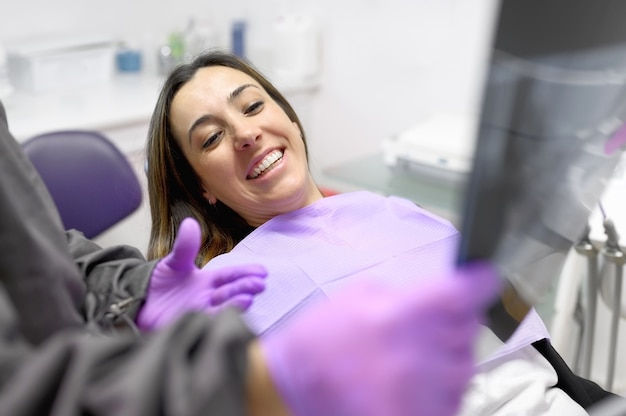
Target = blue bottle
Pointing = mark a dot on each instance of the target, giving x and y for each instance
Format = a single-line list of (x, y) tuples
[(238, 38)]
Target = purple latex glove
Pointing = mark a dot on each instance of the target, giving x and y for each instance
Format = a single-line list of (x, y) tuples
[(616, 141), (178, 286), (377, 351)]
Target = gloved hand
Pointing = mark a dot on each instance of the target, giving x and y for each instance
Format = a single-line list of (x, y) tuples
[(177, 285), (617, 140), (377, 351)]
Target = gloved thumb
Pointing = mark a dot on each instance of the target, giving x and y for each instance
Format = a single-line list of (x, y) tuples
[(186, 245)]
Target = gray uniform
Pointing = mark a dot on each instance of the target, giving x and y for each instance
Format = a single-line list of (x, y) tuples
[(65, 343)]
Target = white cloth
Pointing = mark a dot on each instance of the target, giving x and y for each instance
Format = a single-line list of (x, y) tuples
[(519, 383)]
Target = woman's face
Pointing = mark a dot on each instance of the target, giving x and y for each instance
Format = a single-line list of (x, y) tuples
[(247, 153)]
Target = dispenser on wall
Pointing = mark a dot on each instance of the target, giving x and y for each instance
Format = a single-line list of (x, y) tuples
[(296, 50)]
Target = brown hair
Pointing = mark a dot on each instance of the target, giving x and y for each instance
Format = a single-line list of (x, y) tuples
[(173, 187)]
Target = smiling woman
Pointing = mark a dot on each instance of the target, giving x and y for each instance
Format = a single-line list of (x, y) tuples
[(224, 122), (224, 145)]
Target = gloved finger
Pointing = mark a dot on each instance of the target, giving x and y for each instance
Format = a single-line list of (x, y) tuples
[(186, 246), (247, 285), (457, 334), (470, 288), (227, 274), (446, 383), (448, 368), (481, 283), (452, 306), (242, 302), (453, 375), (449, 398), (616, 141)]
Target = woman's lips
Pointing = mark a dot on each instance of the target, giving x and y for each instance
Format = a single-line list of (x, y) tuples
[(266, 163)]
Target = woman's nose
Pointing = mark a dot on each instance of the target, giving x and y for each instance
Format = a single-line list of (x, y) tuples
[(246, 134)]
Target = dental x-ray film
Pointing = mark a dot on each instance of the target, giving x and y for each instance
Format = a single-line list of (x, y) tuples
[(553, 109)]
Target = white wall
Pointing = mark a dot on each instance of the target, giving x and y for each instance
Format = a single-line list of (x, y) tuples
[(386, 63)]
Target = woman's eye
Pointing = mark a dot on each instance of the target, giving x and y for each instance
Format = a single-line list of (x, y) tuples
[(254, 107), (211, 140)]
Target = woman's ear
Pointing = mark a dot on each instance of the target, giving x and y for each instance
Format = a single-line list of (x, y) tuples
[(209, 197)]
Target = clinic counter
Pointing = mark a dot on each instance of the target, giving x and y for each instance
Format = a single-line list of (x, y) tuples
[(125, 101)]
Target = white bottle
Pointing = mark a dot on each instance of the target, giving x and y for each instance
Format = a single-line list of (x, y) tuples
[(200, 36), (296, 50)]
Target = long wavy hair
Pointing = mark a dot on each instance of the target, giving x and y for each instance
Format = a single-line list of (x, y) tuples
[(174, 189)]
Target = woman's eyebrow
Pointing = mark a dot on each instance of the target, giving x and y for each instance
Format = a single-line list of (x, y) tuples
[(201, 120), (233, 95), (207, 117)]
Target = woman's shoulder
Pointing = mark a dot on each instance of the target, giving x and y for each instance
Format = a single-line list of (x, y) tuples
[(397, 204), (367, 204)]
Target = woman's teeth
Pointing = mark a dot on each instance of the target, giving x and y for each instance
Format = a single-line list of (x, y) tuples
[(266, 163)]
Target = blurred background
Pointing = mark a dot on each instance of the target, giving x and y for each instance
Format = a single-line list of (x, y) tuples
[(388, 92)]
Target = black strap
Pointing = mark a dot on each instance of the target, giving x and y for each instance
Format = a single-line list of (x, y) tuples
[(582, 391)]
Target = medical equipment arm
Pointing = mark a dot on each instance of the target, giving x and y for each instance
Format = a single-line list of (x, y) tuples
[(585, 351), (613, 255)]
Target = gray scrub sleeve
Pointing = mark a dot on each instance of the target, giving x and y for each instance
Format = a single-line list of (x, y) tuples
[(116, 279), (57, 291), (194, 367), (36, 271)]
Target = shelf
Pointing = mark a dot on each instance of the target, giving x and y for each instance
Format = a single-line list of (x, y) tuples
[(126, 100)]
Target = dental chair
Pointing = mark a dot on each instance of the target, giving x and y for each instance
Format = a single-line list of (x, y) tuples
[(92, 183)]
